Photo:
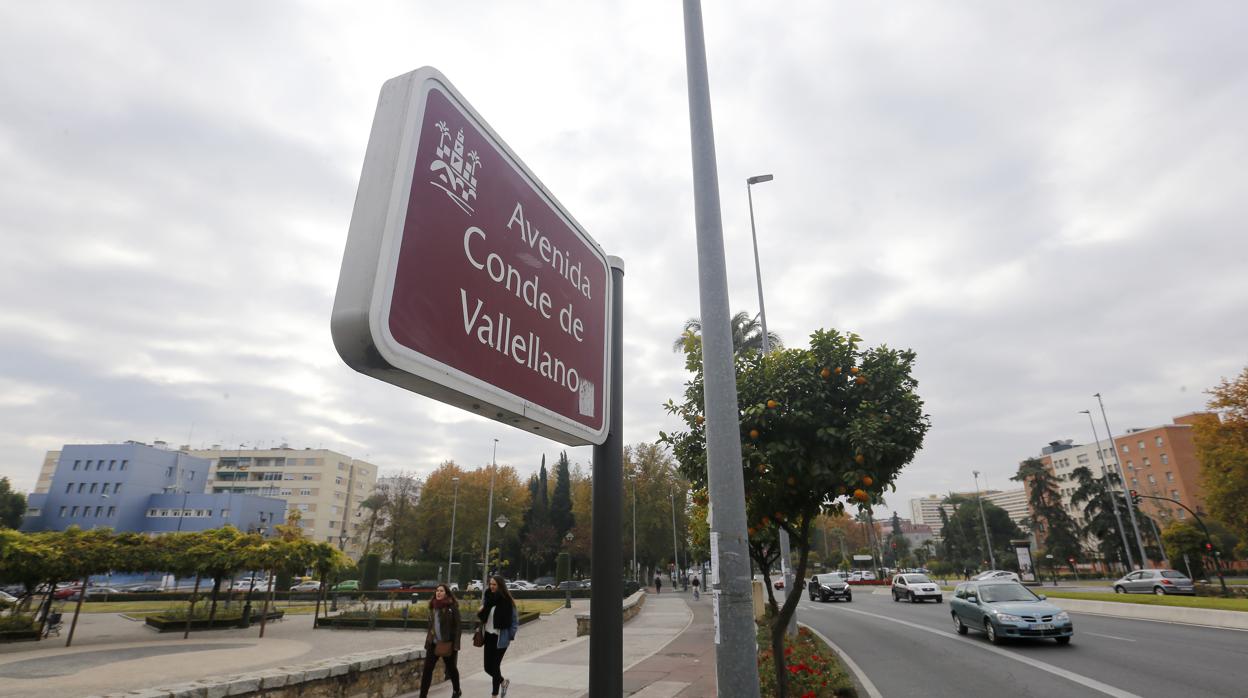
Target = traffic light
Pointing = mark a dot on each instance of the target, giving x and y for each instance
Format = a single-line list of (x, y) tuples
[(1135, 497)]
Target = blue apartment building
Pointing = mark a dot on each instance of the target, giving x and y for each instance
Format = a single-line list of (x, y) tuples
[(139, 488)]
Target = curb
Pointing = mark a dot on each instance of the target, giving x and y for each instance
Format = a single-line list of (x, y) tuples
[(860, 676), (1229, 620)]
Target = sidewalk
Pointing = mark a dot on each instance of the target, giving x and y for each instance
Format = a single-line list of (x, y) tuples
[(669, 651)]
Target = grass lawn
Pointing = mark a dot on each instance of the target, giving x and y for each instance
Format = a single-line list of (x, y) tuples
[(143, 608), (1213, 602)]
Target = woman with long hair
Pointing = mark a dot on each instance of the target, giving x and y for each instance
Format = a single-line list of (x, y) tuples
[(499, 624), (442, 639)]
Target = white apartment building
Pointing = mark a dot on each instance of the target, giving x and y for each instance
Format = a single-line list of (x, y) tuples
[(926, 511), (324, 486), (1014, 502)]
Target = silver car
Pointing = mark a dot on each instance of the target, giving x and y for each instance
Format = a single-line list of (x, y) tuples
[(1159, 582)]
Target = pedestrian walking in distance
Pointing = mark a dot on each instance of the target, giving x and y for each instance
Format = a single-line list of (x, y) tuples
[(442, 639), (499, 624), (696, 585)]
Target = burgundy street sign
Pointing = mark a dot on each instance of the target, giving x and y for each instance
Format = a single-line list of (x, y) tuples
[(464, 279)]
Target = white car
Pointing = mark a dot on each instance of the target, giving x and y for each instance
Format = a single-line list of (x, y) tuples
[(307, 586), (915, 587), (474, 585), (521, 585), (1002, 575), (248, 584)]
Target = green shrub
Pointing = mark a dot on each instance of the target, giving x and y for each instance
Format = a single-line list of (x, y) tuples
[(16, 623)]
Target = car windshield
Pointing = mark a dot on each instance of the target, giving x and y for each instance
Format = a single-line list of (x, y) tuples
[(1171, 574), (917, 579), (996, 593)]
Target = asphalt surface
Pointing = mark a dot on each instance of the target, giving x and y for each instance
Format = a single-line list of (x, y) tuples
[(912, 650)]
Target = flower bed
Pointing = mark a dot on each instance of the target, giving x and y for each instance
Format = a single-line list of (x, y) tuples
[(169, 624), (814, 669)]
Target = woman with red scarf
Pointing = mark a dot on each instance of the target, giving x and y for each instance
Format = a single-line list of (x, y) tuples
[(442, 639), (499, 623)]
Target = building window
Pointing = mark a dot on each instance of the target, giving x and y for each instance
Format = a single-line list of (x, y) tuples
[(1182, 514), (1158, 441), (73, 512), (308, 476), (190, 475), (100, 509), (285, 492), (1126, 448), (112, 511), (1165, 460), (116, 488), (99, 465), (1174, 494), (81, 487), (1152, 480), (1169, 476), (1135, 482), (69, 487), (1147, 463), (1130, 465), (92, 490), (169, 471), (124, 463), (288, 476), (305, 493), (333, 524), (271, 476), (63, 510), (225, 513), (151, 513), (1140, 445), (76, 464), (104, 489), (1083, 458), (112, 464), (88, 465)]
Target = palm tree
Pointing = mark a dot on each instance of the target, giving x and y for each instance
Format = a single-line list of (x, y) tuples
[(747, 335)]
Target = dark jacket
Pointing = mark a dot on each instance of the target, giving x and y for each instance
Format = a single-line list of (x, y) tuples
[(449, 619), (506, 620)]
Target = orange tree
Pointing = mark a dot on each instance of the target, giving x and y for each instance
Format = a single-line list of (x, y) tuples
[(820, 427)]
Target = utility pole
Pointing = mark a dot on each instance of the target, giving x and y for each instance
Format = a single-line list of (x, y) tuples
[(1130, 507), (489, 520), (983, 518), (736, 654)]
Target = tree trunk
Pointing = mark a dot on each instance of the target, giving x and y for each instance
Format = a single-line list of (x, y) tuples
[(82, 595), (267, 597), (191, 613), (780, 622), (46, 608), (216, 587)]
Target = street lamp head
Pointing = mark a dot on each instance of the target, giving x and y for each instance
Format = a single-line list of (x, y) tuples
[(568, 537), (501, 521), (756, 179), (455, 480)]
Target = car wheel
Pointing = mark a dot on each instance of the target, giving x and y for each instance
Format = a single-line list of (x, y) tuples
[(940, 599), (1063, 640), (991, 631), (1119, 590), (1159, 591), (848, 598), (958, 626), (913, 598), (895, 599)]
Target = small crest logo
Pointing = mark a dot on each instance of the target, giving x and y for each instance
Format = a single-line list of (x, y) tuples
[(456, 174)]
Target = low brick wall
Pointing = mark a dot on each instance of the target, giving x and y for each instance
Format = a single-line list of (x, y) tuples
[(632, 606), (381, 674)]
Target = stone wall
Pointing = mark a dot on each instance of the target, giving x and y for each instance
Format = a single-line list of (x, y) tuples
[(632, 606), (381, 674)]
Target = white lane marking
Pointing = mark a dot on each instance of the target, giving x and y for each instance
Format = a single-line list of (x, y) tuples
[(872, 691), (1043, 666), (1112, 637)]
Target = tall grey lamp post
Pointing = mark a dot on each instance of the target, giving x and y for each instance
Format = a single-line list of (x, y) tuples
[(635, 578), (1109, 489), (992, 559), (736, 649), (485, 574), (450, 553), (786, 569), (1130, 506)]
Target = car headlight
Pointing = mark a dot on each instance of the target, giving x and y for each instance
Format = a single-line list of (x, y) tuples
[(1062, 617), (1009, 618)]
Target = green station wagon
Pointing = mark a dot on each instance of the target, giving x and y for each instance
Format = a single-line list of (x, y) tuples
[(1007, 609)]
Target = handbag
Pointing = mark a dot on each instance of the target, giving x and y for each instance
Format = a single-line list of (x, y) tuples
[(444, 649), (478, 640)]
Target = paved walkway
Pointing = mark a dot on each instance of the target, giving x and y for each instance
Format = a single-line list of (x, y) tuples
[(668, 652)]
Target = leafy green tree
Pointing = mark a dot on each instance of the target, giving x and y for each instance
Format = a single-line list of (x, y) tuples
[(966, 527), (1185, 546), (1222, 448), (1053, 526), (747, 335), (1093, 495), (817, 425), (561, 498), (12, 505)]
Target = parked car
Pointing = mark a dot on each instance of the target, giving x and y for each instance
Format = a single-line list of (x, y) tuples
[(915, 587), (253, 584), (572, 585), (67, 592), (995, 574), (829, 587), (389, 585), (520, 585), (98, 593), (307, 586), (474, 585), (1006, 609), (143, 588), (544, 583), (7, 600), (346, 585), (1154, 581)]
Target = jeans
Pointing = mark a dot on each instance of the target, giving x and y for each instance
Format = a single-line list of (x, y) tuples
[(431, 660), (494, 660)]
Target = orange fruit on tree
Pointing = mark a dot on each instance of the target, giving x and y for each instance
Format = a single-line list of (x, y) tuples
[(853, 370), (699, 419), (837, 370), (867, 480), (860, 380), (754, 434), (773, 404), (860, 459), (861, 495), (826, 372), (762, 468)]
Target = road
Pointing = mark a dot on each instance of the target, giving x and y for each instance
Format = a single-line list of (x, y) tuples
[(911, 650)]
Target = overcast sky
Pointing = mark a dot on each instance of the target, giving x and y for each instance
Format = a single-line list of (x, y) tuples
[(1043, 200)]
